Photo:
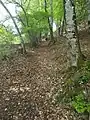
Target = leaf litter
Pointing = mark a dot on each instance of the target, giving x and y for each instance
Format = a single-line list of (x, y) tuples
[(29, 84)]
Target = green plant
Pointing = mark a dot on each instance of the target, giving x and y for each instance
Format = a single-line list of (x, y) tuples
[(75, 90), (79, 103), (87, 65)]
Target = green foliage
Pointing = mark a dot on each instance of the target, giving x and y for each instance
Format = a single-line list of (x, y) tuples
[(81, 77), (80, 104), (75, 90), (84, 78), (81, 10), (87, 65), (37, 17), (4, 51), (58, 10), (37, 23), (6, 37), (6, 40)]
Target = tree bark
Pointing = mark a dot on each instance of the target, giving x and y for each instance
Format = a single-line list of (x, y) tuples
[(62, 27), (88, 6), (22, 41), (72, 34), (50, 22), (51, 5)]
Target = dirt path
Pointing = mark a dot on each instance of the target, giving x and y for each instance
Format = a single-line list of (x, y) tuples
[(28, 85)]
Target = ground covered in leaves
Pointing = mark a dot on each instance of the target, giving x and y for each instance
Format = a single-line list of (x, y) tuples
[(29, 84)]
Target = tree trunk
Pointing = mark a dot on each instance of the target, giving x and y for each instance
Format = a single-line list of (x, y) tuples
[(40, 35), (57, 30), (72, 34), (63, 21), (62, 27), (22, 41), (50, 21), (88, 15)]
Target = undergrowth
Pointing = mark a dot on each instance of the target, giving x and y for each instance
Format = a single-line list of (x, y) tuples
[(76, 90), (5, 52)]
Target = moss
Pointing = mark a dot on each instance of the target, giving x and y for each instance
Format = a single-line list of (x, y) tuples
[(81, 61)]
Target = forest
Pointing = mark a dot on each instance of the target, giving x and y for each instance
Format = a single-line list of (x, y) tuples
[(45, 60)]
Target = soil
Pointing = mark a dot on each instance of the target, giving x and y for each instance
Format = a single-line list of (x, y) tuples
[(29, 83)]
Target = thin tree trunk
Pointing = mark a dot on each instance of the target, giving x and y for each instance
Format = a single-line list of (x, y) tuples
[(62, 27), (22, 41), (64, 20), (57, 30), (50, 23), (24, 13), (40, 35), (51, 5)]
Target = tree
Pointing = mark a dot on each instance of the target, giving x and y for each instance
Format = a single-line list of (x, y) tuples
[(37, 22), (50, 19), (89, 15), (72, 34), (22, 41)]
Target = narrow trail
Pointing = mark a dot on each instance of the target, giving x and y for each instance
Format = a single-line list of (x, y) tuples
[(28, 85)]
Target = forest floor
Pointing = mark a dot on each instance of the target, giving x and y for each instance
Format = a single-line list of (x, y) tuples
[(29, 83)]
